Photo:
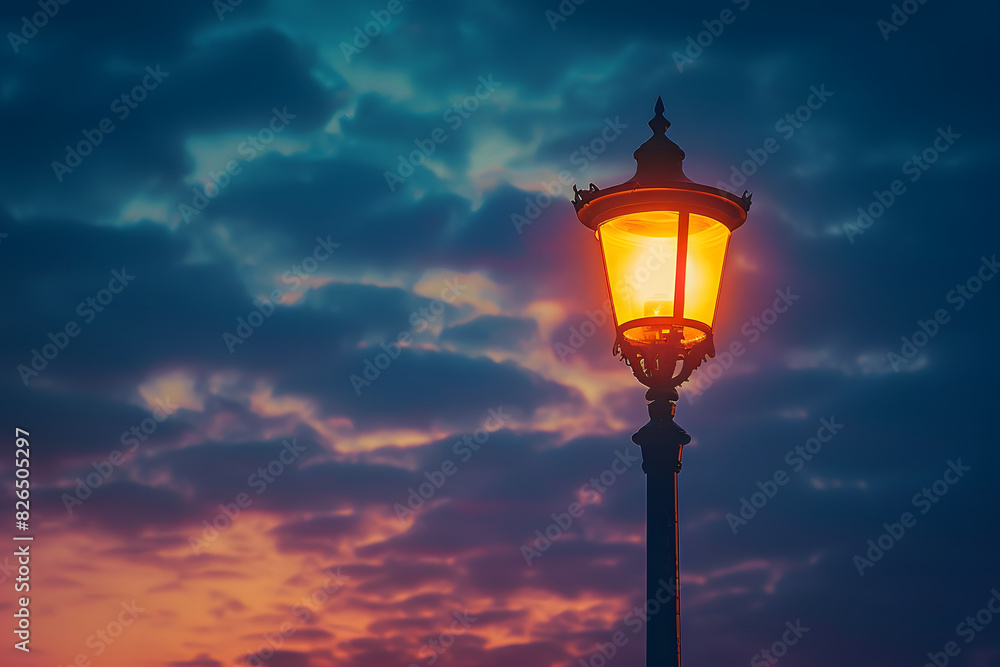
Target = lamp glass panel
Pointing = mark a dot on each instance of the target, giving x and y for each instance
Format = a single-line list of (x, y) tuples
[(706, 256), (640, 256)]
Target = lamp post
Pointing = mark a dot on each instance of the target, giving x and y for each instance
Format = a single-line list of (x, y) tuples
[(664, 240)]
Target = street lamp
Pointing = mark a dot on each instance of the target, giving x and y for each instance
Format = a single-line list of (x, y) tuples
[(664, 240)]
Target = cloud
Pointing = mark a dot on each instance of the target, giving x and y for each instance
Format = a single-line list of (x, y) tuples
[(491, 331), (379, 418), (201, 660)]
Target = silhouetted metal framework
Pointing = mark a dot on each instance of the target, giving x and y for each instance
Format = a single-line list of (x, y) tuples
[(663, 364)]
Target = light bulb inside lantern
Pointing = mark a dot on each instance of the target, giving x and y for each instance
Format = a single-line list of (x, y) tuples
[(660, 305)]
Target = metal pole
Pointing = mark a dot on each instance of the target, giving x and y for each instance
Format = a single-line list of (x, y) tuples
[(661, 441)]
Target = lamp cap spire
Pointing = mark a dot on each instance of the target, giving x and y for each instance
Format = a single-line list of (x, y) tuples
[(659, 123), (659, 159)]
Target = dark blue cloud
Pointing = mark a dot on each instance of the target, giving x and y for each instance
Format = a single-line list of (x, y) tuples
[(491, 331)]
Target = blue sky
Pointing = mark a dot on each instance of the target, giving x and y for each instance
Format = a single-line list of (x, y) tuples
[(270, 273)]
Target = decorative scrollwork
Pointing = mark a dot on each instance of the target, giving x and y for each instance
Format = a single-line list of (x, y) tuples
[(654, 364), (581, 197)]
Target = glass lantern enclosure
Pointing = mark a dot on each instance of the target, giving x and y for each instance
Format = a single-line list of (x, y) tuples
[(664, 270), (664, 240)]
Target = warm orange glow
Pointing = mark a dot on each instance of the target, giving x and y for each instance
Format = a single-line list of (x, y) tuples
[(707, 244), (640, 257)]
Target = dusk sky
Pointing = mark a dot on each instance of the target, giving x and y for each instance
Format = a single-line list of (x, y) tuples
[(311, 347)]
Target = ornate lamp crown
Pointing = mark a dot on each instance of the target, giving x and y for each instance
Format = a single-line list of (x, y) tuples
[(667, 316)]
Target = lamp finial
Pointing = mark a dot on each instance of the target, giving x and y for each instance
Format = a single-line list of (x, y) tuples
[(659, 123), (659, 159)]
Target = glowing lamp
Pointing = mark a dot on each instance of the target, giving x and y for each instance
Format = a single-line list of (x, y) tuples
[(664, 240)]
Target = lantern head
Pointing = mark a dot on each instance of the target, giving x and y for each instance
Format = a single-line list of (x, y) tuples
[(664, 240)]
